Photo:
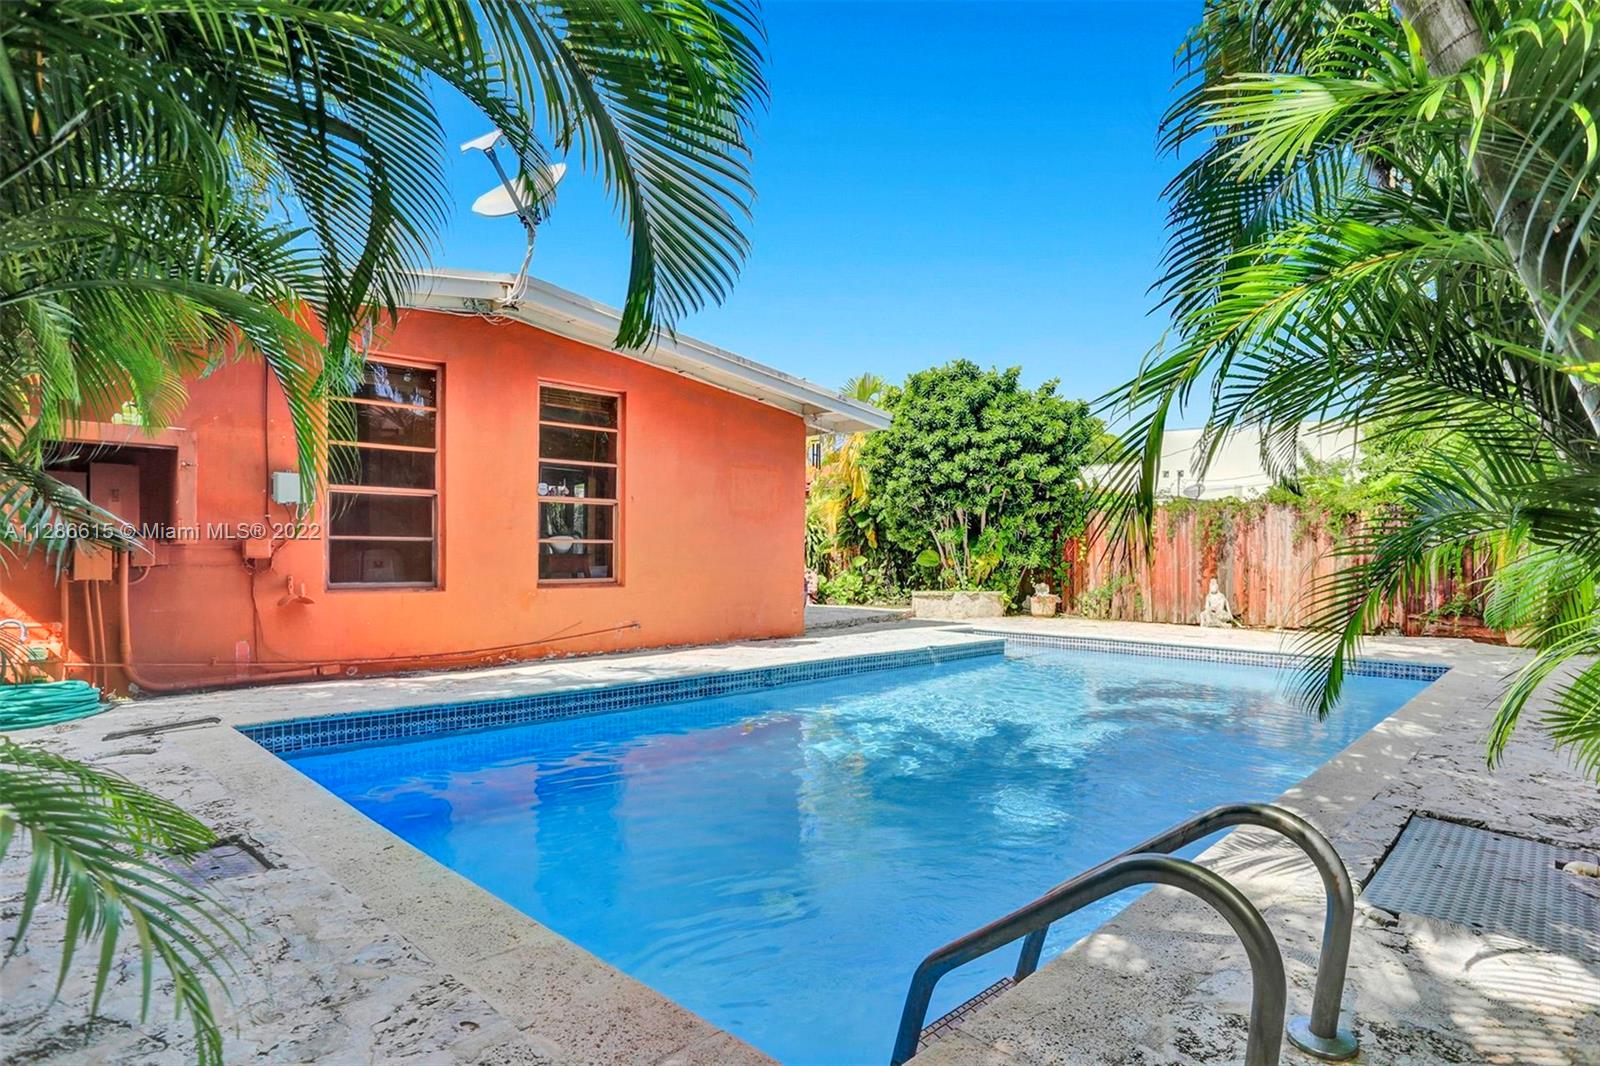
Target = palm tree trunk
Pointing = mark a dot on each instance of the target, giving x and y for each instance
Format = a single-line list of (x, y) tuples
[(1450, 38)]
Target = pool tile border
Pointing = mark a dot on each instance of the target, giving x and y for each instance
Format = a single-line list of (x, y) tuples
[(1239, 657), (299, 736)]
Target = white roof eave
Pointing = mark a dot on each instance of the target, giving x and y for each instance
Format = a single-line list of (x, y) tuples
[(578, 318)]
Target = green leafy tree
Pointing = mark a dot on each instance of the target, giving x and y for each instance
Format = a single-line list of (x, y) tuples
[(1389, 220), (977, 477), (1103, 442)]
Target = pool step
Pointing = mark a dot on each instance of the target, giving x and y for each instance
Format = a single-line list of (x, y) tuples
[(941, 1027)]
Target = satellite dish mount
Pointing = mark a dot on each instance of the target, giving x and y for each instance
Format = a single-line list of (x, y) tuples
[(530, 198)]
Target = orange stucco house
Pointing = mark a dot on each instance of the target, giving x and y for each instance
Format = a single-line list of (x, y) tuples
[(515, 488)]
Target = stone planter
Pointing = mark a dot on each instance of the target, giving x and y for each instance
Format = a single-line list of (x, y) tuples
[(1044, 606), (957, 606)]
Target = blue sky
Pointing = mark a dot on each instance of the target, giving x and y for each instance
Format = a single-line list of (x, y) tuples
[(935, 180)]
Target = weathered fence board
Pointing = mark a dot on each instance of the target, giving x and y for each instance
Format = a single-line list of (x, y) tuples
[(1268, 561)]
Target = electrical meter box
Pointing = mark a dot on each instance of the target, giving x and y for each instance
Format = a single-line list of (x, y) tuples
[(115, 486), (286, 488)]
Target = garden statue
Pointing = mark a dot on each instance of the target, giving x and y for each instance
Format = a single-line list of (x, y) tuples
[(1043, 602), (1217, 611)]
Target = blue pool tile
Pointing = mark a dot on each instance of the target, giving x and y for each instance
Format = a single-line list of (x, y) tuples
[(304, 735), (1237, 656)]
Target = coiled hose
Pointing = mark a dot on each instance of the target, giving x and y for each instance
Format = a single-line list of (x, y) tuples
[(34, 704)]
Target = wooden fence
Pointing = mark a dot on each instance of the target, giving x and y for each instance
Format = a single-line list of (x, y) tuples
[(1268, 561)]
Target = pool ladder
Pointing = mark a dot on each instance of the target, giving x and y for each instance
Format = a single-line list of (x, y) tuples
[(1320, 1034)]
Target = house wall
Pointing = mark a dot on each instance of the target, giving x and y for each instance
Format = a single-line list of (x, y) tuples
[(710, 540), (1236, 469)]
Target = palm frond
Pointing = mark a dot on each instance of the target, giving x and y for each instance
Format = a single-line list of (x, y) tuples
[(96, 846), (1382, 226)]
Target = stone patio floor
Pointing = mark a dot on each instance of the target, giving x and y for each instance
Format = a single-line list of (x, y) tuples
[(365, 950)]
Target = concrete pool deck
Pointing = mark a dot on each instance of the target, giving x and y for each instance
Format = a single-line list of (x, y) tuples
[(365, 950)]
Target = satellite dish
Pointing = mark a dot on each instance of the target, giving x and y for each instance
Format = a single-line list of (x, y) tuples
[(1193, 491), (529, 198), (498, 201)]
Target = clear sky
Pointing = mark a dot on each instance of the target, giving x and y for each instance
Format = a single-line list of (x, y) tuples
[(935, 180)]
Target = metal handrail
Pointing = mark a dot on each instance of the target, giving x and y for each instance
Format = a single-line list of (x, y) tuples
[(1320, 1035), (1268, 990)]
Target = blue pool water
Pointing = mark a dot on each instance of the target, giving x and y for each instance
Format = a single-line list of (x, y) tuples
[(780, 861)]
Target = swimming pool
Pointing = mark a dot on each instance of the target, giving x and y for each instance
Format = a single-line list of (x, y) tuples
[(779, 860)]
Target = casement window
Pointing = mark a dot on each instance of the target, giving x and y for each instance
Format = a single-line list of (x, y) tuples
[(383, 480), (579, 451)]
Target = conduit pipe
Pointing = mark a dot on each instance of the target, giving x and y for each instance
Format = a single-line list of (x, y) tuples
[(92, 616), (298, 669), (125, 648), (66, 622)]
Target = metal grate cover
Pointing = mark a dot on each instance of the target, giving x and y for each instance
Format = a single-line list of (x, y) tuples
[(228, 858), (1490, 882)]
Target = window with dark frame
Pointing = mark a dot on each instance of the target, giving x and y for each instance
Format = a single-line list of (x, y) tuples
[(579, 452), (383, 480)]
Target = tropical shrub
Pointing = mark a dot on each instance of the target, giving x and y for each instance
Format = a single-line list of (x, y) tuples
[(1389, 221), (977, 478), (839, 519), (1097, 602), (856, 583)]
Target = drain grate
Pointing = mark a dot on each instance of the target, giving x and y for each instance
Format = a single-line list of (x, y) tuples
[(1490, 882), (945, 1024), (226, 858)]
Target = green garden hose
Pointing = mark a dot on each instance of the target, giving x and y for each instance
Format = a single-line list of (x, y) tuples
[(28, 706)]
